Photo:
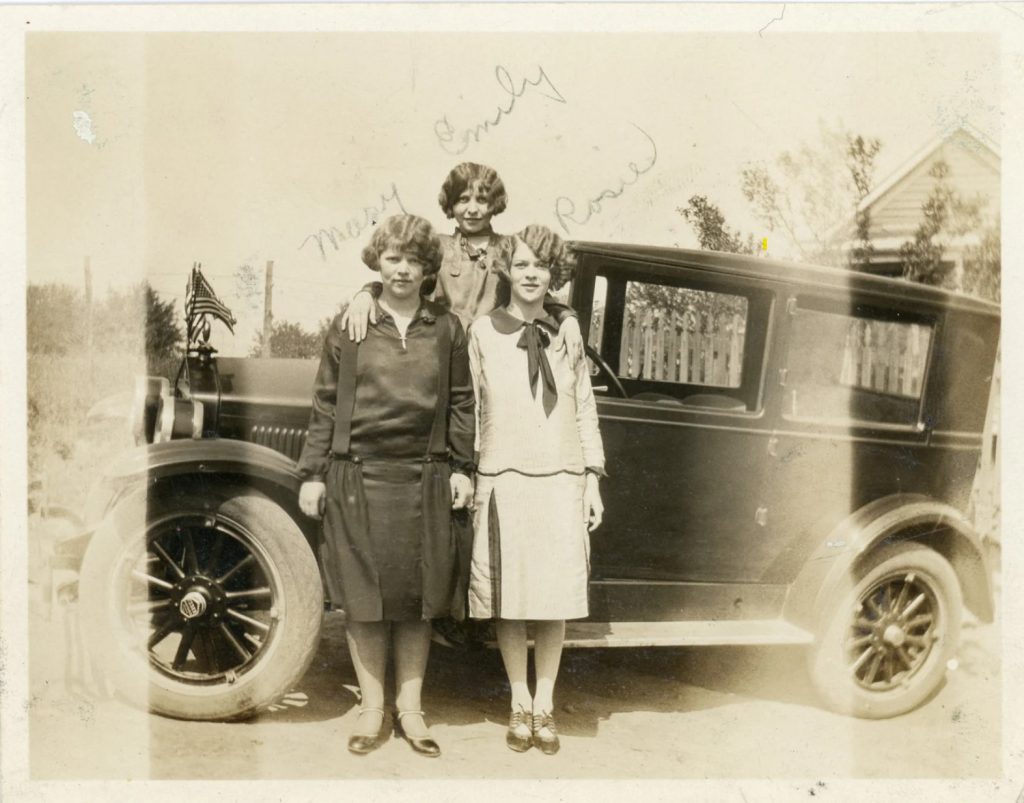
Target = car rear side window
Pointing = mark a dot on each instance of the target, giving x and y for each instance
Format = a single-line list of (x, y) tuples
[(855, 366)]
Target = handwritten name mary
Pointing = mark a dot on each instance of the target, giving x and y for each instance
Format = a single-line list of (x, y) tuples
[(566, 209), (356, 225)]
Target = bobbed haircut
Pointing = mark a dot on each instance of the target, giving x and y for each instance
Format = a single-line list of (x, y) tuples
[(465, 175), (547, 247), (410, 235)]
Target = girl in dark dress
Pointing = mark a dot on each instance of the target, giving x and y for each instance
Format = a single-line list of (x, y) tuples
[(388, 455)]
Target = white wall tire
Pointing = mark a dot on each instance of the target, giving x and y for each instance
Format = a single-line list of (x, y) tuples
[(202, 605)]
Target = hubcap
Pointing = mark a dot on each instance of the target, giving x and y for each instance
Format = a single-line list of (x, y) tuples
[(894, 635), (202, 599), (895, 626), (192, 605)]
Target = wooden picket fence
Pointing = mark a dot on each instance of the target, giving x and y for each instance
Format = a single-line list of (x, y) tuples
[(669, 346), (665, 345), (886, 357)]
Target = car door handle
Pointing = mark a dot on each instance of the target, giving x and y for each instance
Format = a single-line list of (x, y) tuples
[(600, 387)]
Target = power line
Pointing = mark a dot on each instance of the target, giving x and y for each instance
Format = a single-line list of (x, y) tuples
[(295, 279)]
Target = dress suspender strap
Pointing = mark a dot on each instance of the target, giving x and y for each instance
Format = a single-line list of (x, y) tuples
[(439, 429), (346, 401)]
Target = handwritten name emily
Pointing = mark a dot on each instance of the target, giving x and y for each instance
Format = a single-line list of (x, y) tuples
[(354, 226), (565, 207), (455, 142)]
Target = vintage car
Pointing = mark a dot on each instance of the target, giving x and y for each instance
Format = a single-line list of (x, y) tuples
[(791, 450)]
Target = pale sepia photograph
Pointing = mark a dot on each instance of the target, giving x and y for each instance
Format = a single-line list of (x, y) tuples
[(479, 395)]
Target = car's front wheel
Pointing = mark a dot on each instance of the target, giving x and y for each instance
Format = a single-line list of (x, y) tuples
[(888, 637), (204, 605)]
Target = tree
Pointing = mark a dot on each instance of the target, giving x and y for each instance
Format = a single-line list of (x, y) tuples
[(860, 154), (708, 223), (137, 319), (983, 265), (944, 214), (164, 336), (132, 319), (289, 340), (700, 311), (119, 320), (55, 318), (809, 194)]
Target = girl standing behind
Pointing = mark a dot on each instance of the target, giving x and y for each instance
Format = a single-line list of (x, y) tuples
[(537, 480)]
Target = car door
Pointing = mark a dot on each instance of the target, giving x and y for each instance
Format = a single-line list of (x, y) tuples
[(851, 423), (678, 365)]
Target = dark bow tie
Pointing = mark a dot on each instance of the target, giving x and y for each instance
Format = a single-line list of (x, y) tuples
[(535, 339)]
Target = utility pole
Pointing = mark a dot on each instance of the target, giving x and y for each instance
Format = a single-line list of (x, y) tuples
[(268, 312)]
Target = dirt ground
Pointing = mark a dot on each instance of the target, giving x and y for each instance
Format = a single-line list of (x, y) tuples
[(694, 713)]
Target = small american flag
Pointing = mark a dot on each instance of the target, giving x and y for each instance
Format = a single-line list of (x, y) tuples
[(200, 301)]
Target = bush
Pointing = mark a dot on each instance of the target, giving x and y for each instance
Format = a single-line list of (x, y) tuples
[(289, 339), (130, 320), (62, 451)]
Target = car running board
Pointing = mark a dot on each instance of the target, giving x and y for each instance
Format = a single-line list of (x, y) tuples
[(684, 634)]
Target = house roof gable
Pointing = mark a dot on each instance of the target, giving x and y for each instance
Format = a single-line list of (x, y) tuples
[(968, 138)]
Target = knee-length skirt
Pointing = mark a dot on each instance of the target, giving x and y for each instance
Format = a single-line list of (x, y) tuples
[(531, 550), (388, 552)]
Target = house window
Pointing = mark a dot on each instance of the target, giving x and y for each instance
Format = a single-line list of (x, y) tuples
[(857, 367)]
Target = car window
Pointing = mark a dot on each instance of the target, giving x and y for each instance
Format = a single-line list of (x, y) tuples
[(682, 335), (680, 338), (597, 313), (855, 366)]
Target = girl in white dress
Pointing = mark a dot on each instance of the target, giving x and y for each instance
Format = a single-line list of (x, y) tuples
[(537, 497)]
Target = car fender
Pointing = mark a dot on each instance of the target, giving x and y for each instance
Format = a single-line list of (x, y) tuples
[(206, 456), (899, 517), (212, 460)]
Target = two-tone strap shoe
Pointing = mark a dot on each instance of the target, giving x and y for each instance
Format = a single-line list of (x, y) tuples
[(515, 738), (363, 743), (547, 742), (424, 745)]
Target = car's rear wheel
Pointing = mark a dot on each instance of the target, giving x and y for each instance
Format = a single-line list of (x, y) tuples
[(201, 606), (884, 648)]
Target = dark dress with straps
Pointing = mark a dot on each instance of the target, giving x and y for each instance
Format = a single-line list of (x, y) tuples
[(391, 419)]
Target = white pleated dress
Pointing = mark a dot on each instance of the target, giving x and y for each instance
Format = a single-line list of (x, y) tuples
[(531, 550)]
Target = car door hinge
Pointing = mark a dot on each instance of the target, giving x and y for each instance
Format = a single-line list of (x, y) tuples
[(783, 373), (791, 305), (761, 516), (773, 446)]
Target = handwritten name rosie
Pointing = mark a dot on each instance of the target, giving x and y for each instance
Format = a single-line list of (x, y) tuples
[(569, 214)]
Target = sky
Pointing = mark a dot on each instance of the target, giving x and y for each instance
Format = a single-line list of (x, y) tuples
[(147, 152)]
